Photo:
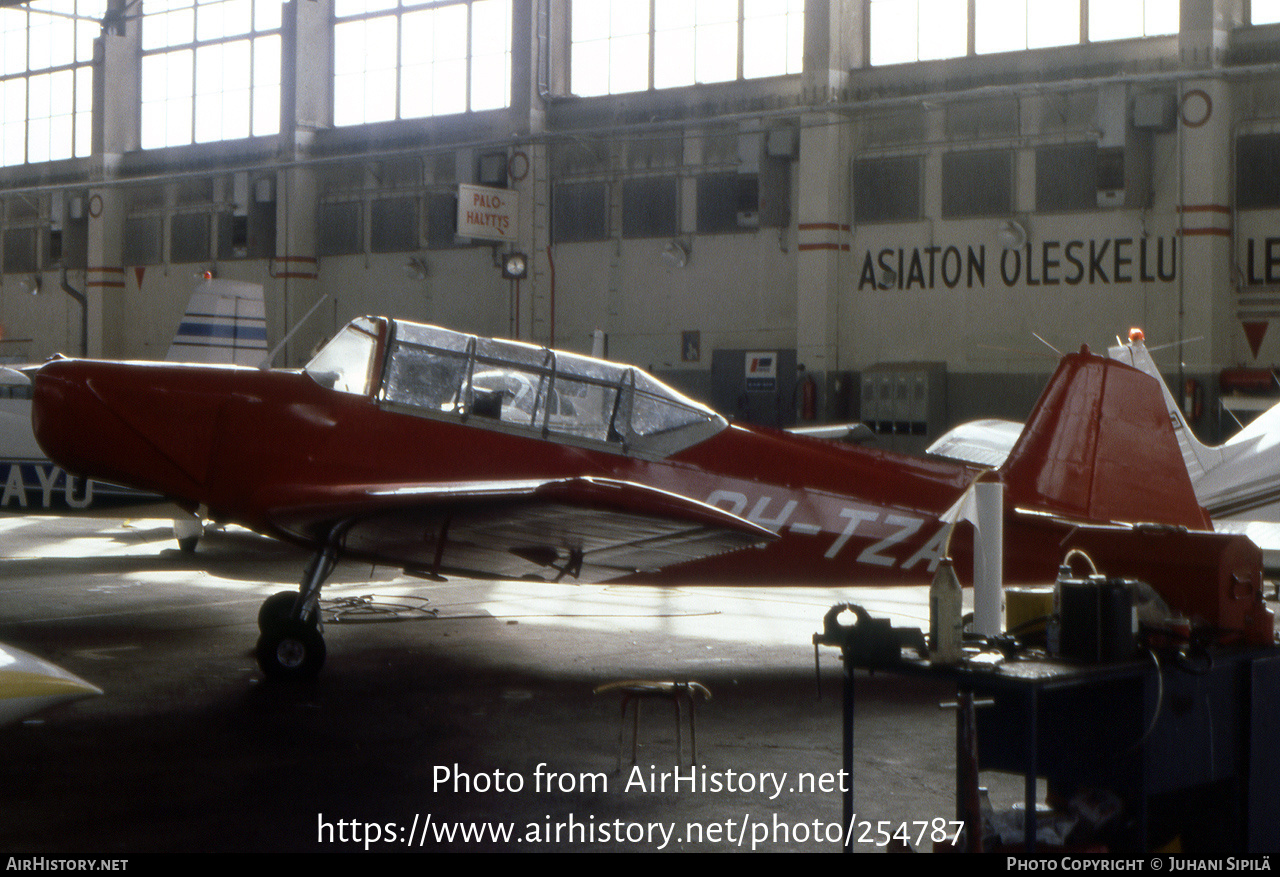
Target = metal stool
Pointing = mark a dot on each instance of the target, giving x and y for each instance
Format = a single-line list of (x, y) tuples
[(676, 692)]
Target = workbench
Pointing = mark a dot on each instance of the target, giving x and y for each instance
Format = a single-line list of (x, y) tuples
[(1166, 728)]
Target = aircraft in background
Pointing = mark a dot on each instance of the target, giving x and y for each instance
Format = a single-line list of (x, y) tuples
[(28, 480), (1238, 481), (29, 684), (225, 323), (439, 452)]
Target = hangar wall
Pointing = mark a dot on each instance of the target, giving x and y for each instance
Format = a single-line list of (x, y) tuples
[(937, 211)]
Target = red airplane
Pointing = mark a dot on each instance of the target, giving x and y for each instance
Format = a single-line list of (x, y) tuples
[(440, 452)]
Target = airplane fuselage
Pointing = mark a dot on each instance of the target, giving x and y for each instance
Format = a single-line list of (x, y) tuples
[(237, 440), (418, 447), (240, 443)]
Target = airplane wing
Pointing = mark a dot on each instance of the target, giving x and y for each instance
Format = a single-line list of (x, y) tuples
[(985, 442), (10, 376), (588, 529), (841, 432), (29, 684), (1264, 534)]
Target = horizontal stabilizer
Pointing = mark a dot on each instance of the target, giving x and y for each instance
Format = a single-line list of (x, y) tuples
[(984, 442), (853, 433)]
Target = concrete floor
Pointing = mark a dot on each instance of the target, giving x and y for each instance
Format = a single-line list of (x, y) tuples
[(190, 750)]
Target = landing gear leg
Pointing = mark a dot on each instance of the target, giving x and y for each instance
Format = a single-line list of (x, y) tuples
[(292, 645), (188, 530)]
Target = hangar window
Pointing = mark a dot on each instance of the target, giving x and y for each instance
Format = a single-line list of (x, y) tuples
[(1258, 171), (1014, 25), (650, 207), (924, 30), (728, 202), (1123, 19), (977, 183), (689, 42), (918, 30), (886, 189), (1264, 12), (210, 71), (46, 79), (339, 231), (142, 240), (610, 47), (393, 225), (410, 59), (1067, 177), (20, 250), (189, 237), (442, 219), (580, 212)]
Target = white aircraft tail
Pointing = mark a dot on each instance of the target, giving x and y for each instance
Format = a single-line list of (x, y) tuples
[(225, 323), (1199, 458)]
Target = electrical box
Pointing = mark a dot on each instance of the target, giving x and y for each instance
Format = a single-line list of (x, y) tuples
[(755, 386), (905, 403), (1124, 151)]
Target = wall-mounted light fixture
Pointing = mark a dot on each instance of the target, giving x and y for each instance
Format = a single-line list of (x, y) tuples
[(416, 268), (676, 253), (1011, 234)]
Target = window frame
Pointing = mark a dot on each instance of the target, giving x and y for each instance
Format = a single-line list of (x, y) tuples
[(186, 115), (394, 13), (51, 68), (1089, 32), (656, 38)]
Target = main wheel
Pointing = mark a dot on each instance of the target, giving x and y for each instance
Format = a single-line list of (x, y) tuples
[(277, 609), (292, 650)]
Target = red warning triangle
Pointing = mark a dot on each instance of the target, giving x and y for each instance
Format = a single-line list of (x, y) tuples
[(142, 269), (1255, 332)]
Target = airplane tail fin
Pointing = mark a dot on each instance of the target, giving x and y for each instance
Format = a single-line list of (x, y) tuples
[(1099, 446), (225, 322), (1199, 457)]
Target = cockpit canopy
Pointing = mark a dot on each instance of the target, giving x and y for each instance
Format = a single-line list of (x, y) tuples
[(508, 385)]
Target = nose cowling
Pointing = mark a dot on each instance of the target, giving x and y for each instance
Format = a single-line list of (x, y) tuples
[(127, 423)]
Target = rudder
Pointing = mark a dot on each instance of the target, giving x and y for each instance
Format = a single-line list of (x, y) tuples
[(1099, 446)]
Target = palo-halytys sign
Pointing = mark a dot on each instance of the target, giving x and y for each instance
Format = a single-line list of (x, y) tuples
[(487, 213)]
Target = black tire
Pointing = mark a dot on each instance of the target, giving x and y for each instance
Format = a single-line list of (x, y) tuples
[(275, 610), (294, 651), (187, 544)]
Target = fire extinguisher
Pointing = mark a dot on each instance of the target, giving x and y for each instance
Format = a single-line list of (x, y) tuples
[(808, 398), (1192, 399)]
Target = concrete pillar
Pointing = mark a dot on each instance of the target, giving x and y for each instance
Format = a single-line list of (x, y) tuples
[(528, 171), (832, 47), (116, 103), (822, 234), (293, 286), (1204, 30), (104, 284), (1206, 304), (835, 40)]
